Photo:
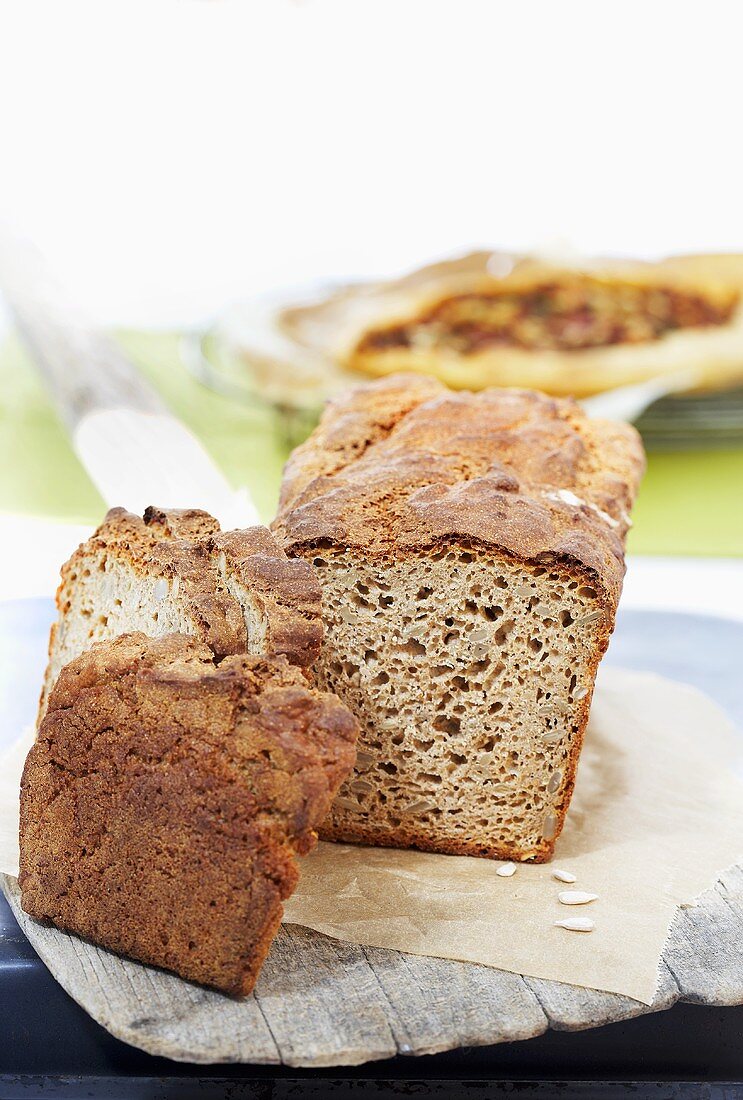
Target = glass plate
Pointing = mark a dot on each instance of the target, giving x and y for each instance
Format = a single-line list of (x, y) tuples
[(702, 421)]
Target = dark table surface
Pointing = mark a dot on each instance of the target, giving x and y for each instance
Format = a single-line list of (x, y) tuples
[(49, 1047)]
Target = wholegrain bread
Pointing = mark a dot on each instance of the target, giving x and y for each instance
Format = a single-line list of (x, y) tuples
[(175, 571), (166, 797), (471, 554)]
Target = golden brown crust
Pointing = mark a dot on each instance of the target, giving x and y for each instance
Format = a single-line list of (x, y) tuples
[(405, 464), (187, 544), (166, 797), (289, 597)]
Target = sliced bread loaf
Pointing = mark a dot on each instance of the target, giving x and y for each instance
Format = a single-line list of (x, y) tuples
[(166, 797), (177, 572), (471, 554)]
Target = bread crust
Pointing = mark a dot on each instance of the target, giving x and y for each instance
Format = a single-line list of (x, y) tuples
[(710, 356), (289, 597), (405, 465), (166, 797), (187, 548)]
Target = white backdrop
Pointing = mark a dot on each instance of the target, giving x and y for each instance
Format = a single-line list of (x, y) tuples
[(169, 155), (172, 155)]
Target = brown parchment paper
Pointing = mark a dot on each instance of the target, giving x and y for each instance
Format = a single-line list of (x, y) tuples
[(656, 817)]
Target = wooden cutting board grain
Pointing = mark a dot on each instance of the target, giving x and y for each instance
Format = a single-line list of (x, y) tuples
[(321, 1002)]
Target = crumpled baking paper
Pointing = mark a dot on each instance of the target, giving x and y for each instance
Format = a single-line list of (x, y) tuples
[(656, 816)]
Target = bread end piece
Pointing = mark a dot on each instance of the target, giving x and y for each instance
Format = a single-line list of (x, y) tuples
[(167, 796), (174, 571)]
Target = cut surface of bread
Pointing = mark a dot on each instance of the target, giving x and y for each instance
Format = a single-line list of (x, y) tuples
[(166, 797), (472, 678), (470, 552), (177, 572)]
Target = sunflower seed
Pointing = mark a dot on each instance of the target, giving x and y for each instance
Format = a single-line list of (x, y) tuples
[(554, 781), (364, 760), (576, 924), (591, 617), (563, 876), (360, 786), (506, 870), (341, 803), (576, 897)]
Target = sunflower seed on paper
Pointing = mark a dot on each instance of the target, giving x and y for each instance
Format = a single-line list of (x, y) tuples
[(576, 897), (563, 876), (576, 924)]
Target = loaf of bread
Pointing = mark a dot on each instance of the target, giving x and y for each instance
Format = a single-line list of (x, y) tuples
[(166, 797), (470, 549), (177, 572)]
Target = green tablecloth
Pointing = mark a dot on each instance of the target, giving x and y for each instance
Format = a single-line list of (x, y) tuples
[(691, 502)]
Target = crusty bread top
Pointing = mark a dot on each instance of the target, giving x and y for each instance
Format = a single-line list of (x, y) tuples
[(406, 463), (189, 545)]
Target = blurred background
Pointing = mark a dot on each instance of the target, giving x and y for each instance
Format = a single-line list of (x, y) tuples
[(174, 160)]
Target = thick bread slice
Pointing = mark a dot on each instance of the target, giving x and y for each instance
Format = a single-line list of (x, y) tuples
[(166, 797), (177, 572), (470, 550)]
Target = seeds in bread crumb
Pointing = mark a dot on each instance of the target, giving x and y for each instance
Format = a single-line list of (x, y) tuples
[(554, 781), (591, 617), (364, 760), (506, 870), (563, 876), (576, 897), (360, 786), (346, 803), (576, 924), (419, 807)]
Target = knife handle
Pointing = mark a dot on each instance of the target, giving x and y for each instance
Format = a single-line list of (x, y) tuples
[(83, 369)]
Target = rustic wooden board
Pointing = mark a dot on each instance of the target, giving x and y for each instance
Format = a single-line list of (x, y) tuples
[(321, 1002)]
